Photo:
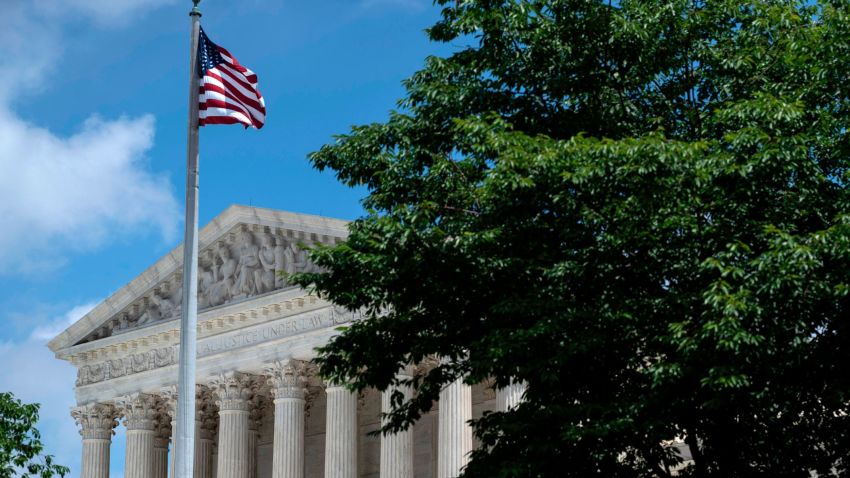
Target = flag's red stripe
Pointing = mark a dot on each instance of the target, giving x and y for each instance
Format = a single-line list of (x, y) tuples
[(220, 112), (223, 113), (232, 60), (216, 106), (224, 86), (243, 79), (237, 96), (234, 105), (241, 70), (218, 81), (214, 95), (223, 120), (230, 95), (209, 102), (224, 70)]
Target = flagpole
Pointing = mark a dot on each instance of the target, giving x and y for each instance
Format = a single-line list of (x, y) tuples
[(185, 439)]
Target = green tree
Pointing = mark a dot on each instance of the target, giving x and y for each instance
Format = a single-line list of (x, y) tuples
[(20, 442), (640, 209)]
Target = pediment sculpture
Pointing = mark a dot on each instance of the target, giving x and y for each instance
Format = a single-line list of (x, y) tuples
[(245, 264)]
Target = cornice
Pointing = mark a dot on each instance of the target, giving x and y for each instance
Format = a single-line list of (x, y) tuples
[(210, 323)]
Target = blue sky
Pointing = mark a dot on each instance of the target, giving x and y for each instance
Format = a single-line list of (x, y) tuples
[(92, 147)]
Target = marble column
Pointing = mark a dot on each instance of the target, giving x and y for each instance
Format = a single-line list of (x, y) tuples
[(205, 425), (204, 443), (169, 399), (287, 383), (233, 392), (162, 438), (509, 397), (160, 455), (140, 420), (96, 421), (341, 432), (454, 435), (397, 448), (255, 420)]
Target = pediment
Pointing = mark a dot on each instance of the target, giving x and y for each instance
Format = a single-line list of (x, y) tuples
[(242, 253)]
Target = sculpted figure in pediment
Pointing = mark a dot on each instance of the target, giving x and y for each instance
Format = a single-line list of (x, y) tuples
[(205, 282), (295, 260), (123, 321), (249, 262), (160, 307), (167, 308), (152, 312), (224, 277), (271, 262)]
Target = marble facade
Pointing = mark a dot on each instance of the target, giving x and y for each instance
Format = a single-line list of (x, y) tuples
[(262, 410)]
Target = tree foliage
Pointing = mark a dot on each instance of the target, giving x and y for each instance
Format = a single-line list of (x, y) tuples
[(638, 208), (20, 442)]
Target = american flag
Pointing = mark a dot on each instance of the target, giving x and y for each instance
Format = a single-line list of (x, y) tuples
[(228, 93)]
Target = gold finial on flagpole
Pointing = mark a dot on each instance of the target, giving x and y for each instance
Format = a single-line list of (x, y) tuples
[(195, 9)]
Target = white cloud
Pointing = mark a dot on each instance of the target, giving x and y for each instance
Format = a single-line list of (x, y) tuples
[(29, 47), (105, 12), (34, 375), (61, 194), (68, 194), (64, 194), (47, 332)]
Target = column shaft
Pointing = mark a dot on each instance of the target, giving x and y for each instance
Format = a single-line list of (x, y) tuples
[(139, 456), (288, 446), (173, 448), (252, 453), (454, 435), (341, 433), (396, 449), (96, 421), (160, 458), (140, 412), (234, 392), (95, 462), (233, 444), (287, 382), (205, 418), (510, 396), (204, 464)]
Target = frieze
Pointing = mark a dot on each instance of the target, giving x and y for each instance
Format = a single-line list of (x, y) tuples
[(162, 357), (247, 262), (119, 367)]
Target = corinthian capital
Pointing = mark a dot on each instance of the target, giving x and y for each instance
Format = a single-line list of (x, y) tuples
[(234, 390), (96, 420), (169, 399), (287, 379), (139, 410), (203, 400)]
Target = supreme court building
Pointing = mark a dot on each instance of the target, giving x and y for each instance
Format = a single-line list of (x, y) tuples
[(262, 411)]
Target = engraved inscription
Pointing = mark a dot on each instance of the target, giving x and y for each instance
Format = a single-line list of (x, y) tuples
[(287, 328)]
